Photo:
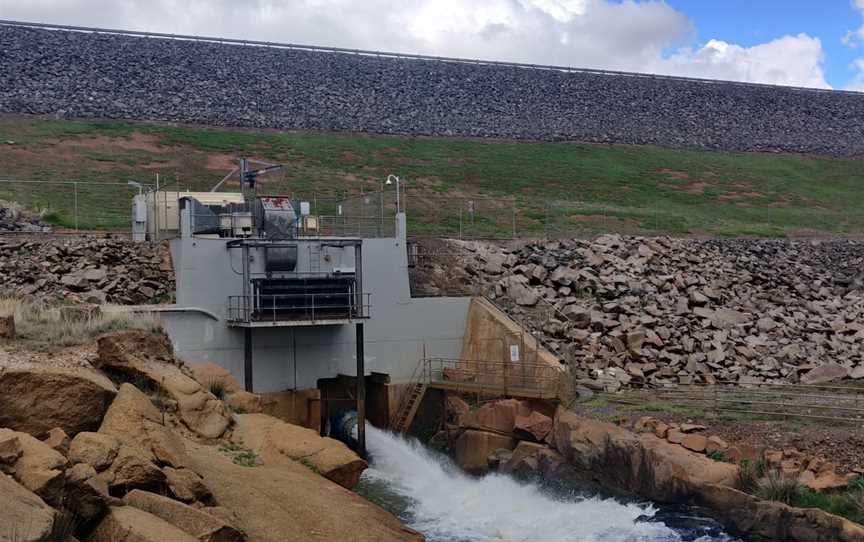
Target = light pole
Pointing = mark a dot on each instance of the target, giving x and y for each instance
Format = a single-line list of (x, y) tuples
[(388, 182)]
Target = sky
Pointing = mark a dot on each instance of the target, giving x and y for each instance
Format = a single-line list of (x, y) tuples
[(812, 43)]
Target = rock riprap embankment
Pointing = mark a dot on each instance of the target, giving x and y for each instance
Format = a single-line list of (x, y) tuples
[(86, 269), (632, 311), (80, 74)]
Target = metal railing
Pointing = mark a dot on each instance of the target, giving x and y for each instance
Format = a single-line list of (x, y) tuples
[(406, 56), (496, 378), (261, 308)]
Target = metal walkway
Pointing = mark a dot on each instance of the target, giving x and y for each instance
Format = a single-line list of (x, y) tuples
[(483, 378)]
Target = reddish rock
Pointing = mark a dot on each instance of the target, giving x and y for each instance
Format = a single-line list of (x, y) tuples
[(695, 442), (472, 449), (715, 444), (675, 436), (536, 425)]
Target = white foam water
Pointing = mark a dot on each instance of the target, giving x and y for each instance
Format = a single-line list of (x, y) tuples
[(447, 505)]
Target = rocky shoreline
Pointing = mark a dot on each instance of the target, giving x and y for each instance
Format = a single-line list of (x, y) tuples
[(518, 438)]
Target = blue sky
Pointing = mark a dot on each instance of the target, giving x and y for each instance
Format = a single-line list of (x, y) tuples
[(791, 42), (750, 23)]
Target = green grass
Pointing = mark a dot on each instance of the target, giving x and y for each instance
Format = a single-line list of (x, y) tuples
[(557, 187)]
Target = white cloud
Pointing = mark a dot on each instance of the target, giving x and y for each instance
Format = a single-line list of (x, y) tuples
[(853, 38), (637, 35), (795, 60)]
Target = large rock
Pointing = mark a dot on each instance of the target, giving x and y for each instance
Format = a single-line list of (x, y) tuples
[(39, 468), (130, 470), (284, 501), (24, 517), (472, 449), (148, 355), (199, 410), (825, 373), (537, 425), (131, 524), (186, 485), (95, 449), (85, 492), (36, 401), (209, 373), (642, 462), (272, 440), (133, 420), (498, 416), (201, 525)]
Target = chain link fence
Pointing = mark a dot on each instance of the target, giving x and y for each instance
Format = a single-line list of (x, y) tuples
[(80, 205)]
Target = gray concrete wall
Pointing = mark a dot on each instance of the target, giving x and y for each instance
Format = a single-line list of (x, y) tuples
[(399, 332)]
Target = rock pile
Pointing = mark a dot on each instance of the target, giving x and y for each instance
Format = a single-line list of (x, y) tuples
[(629, 311), (52, 72), (142, 467), (15, 218), (814, 472), (92, 270)]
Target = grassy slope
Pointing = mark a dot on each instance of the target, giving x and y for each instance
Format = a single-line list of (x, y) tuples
[(592, 187)]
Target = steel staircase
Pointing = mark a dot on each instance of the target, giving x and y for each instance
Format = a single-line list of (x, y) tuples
[(410, 400)]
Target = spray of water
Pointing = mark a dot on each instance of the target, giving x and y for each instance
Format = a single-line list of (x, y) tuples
[(447, 505)]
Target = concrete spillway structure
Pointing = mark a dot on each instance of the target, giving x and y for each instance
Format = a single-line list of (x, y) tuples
[(281, 315)]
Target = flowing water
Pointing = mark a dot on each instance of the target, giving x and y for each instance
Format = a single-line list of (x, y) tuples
[(430, 494)]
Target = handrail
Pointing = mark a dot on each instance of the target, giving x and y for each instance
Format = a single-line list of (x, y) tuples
[(538, 379), (408, 56), (242, 308), (405, 396)]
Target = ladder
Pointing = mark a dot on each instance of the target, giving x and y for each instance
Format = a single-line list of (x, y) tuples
[(408, 405)]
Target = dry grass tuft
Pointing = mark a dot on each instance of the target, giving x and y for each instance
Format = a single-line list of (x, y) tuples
[(40, 326)]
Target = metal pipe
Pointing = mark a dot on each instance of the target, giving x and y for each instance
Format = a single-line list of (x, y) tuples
[(247, 358), (361, 391)]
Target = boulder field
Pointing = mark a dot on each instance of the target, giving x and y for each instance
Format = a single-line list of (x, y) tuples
[(167, 460), (637, 311)]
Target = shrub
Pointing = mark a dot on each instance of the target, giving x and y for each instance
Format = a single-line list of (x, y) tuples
[(746, 478), (774, 487), (44, 327), (217, 388)]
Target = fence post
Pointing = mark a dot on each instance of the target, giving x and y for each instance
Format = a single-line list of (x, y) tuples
[(75, 203), (546, 220), (514, 219)]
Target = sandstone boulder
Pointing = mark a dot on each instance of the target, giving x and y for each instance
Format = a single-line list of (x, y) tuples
[(472, 449), (244, 402), (134, 421), (186, 485), (39, 468), (457, 409), (272, 439), (824, 374), (132, 471), (200, 410), (537, 425), (58, 440), (10, 449), (85, 492), (95, 449), (197, 523), (643, 463), (131, 524), (499, 416), (36, 401), (210, 373), (24, 517), (143, 354)]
